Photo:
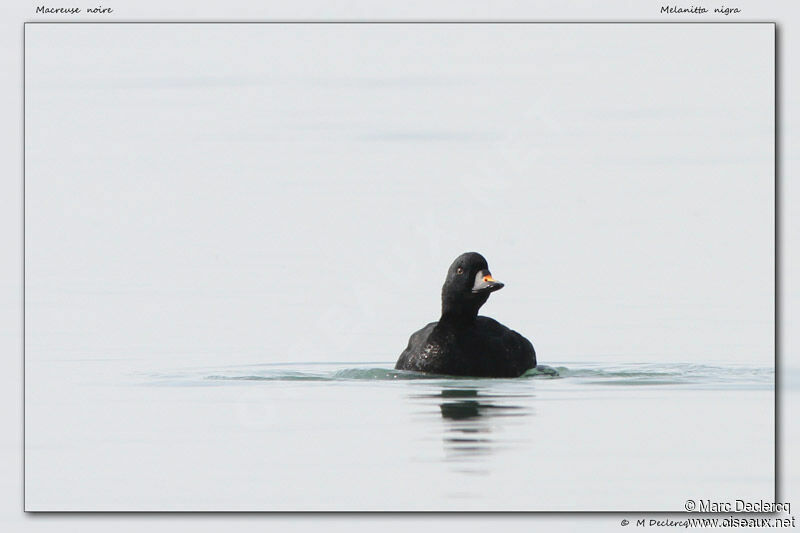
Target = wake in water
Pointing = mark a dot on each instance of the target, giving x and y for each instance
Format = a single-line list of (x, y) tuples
[(360, 374), (585, 373)]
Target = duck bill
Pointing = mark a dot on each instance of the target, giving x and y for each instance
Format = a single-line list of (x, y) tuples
[(484, 282)]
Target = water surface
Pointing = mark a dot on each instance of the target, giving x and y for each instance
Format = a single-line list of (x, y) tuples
[(362, 436)]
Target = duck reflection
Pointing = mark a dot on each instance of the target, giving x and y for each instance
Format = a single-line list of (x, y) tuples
[(471, 417)]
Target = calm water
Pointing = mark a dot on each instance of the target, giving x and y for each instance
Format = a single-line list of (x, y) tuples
[(364, 436)]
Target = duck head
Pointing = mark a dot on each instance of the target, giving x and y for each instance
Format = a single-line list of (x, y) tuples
[(467, 287)]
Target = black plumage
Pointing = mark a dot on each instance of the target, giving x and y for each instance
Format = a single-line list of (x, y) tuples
[(462, 343)]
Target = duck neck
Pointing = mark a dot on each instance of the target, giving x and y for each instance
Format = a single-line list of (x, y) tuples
[(458, 319), (460, 313)]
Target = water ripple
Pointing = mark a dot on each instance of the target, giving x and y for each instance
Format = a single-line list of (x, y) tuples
[(631, 374)]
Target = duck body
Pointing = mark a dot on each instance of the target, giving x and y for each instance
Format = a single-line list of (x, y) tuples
[(462, 343), (485, 348)]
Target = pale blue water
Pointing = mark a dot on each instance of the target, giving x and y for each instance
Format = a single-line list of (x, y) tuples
[(362, 436)]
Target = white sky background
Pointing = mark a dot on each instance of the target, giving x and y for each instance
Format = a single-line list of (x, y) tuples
[(265, 193)]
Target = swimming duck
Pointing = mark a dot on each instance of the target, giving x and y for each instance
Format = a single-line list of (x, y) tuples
[(462, 343)]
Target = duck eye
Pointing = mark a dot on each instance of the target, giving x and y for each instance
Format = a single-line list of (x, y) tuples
[(459, 270)]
